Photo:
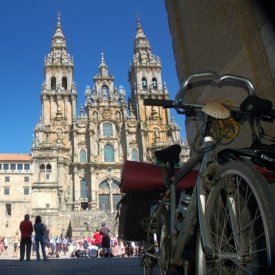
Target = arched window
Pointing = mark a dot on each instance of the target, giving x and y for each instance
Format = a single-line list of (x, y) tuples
[(116, 193), (53, 83), (108, 199), (154, 83), (108, 153), (144, 83), (134, 155), (83, 158), (83, 189), (42, 168), (105, 91), (104, 196), (48, 168), (115, 185), (107, 130), (64, 82), (104, 185)]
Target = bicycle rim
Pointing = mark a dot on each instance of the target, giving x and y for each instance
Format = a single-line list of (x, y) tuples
[(241, 222)]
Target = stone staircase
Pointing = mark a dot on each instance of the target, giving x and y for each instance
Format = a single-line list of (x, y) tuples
[(84, 223)]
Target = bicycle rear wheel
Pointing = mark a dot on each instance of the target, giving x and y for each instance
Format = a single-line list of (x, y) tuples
[(241, 219)]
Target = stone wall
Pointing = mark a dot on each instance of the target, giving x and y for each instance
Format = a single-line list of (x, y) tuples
[(228, 37), (83, 223)]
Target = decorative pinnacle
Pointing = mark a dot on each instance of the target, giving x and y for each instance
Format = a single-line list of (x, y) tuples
[(138, 22), (102, 58), (58, 20)]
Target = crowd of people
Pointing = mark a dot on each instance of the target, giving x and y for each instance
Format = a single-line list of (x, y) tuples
[(36, 238)]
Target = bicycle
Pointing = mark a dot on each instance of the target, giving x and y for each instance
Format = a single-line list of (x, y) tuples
[(227, 216)]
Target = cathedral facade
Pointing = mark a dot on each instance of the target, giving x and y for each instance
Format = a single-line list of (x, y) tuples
[(76, 158)]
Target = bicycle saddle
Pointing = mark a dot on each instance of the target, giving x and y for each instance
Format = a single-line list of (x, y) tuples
[(169, 154)]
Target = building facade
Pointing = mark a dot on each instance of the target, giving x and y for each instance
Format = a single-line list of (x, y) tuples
[(15, 185), (77, 158)]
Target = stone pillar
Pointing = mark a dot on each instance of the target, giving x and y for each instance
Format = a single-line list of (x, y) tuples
[(65, 107), (76, 191), (75, 147), (73, 108), (93, 202), (45, 112), (143, 153), (111, 195), (128, 153), (51, 112)]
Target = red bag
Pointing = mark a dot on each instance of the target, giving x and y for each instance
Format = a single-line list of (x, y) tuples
[(141, 176)]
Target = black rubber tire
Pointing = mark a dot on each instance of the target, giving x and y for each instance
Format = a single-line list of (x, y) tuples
[(164, 242), (151, 226), (252, 248)]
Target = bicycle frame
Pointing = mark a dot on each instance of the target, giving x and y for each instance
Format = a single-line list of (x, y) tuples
[(198, 199), (206, 158)]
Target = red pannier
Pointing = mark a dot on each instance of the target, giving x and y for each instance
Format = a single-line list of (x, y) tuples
[(141, 176)]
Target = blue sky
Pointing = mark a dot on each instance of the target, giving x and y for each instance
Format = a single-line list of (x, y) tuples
[(90, 27)]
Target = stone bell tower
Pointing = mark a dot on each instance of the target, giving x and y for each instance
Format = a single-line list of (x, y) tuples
[(156, 129), (51, 148)]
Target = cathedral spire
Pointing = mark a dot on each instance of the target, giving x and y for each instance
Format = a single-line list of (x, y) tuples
[(59, 82), (58, 40), (58, 54), (102, 63), (141, 41), (103, 68)]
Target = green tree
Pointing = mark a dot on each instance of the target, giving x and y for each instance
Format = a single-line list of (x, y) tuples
[(69, 232)]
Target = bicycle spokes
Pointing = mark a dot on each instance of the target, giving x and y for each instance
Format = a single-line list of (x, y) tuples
[(236, 228)]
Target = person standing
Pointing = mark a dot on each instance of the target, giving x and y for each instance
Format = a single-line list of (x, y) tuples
[(46, 237), (2, 245), (15, 241), (39, 229), (97, 239), (26, 230), (105, 233), (6, 245)]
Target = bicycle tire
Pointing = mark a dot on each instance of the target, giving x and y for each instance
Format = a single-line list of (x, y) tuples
[(250, 249), (151, 227), (159, 247), (165, 253), (164, 242)]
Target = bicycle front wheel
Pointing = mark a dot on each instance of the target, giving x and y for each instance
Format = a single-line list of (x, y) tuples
[(241, 219)]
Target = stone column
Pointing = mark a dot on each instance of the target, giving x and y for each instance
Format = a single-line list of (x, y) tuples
[(93, 202), (65, 107), (45, 112), (111, 195), (127, 142), (76, 191), (143, 153), (73, 108)]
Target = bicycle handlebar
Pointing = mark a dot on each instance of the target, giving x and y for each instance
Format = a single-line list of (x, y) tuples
[(227, 79), (181, 108)]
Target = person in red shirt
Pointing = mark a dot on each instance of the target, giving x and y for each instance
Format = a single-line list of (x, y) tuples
[(97, 239), (26, 230)]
